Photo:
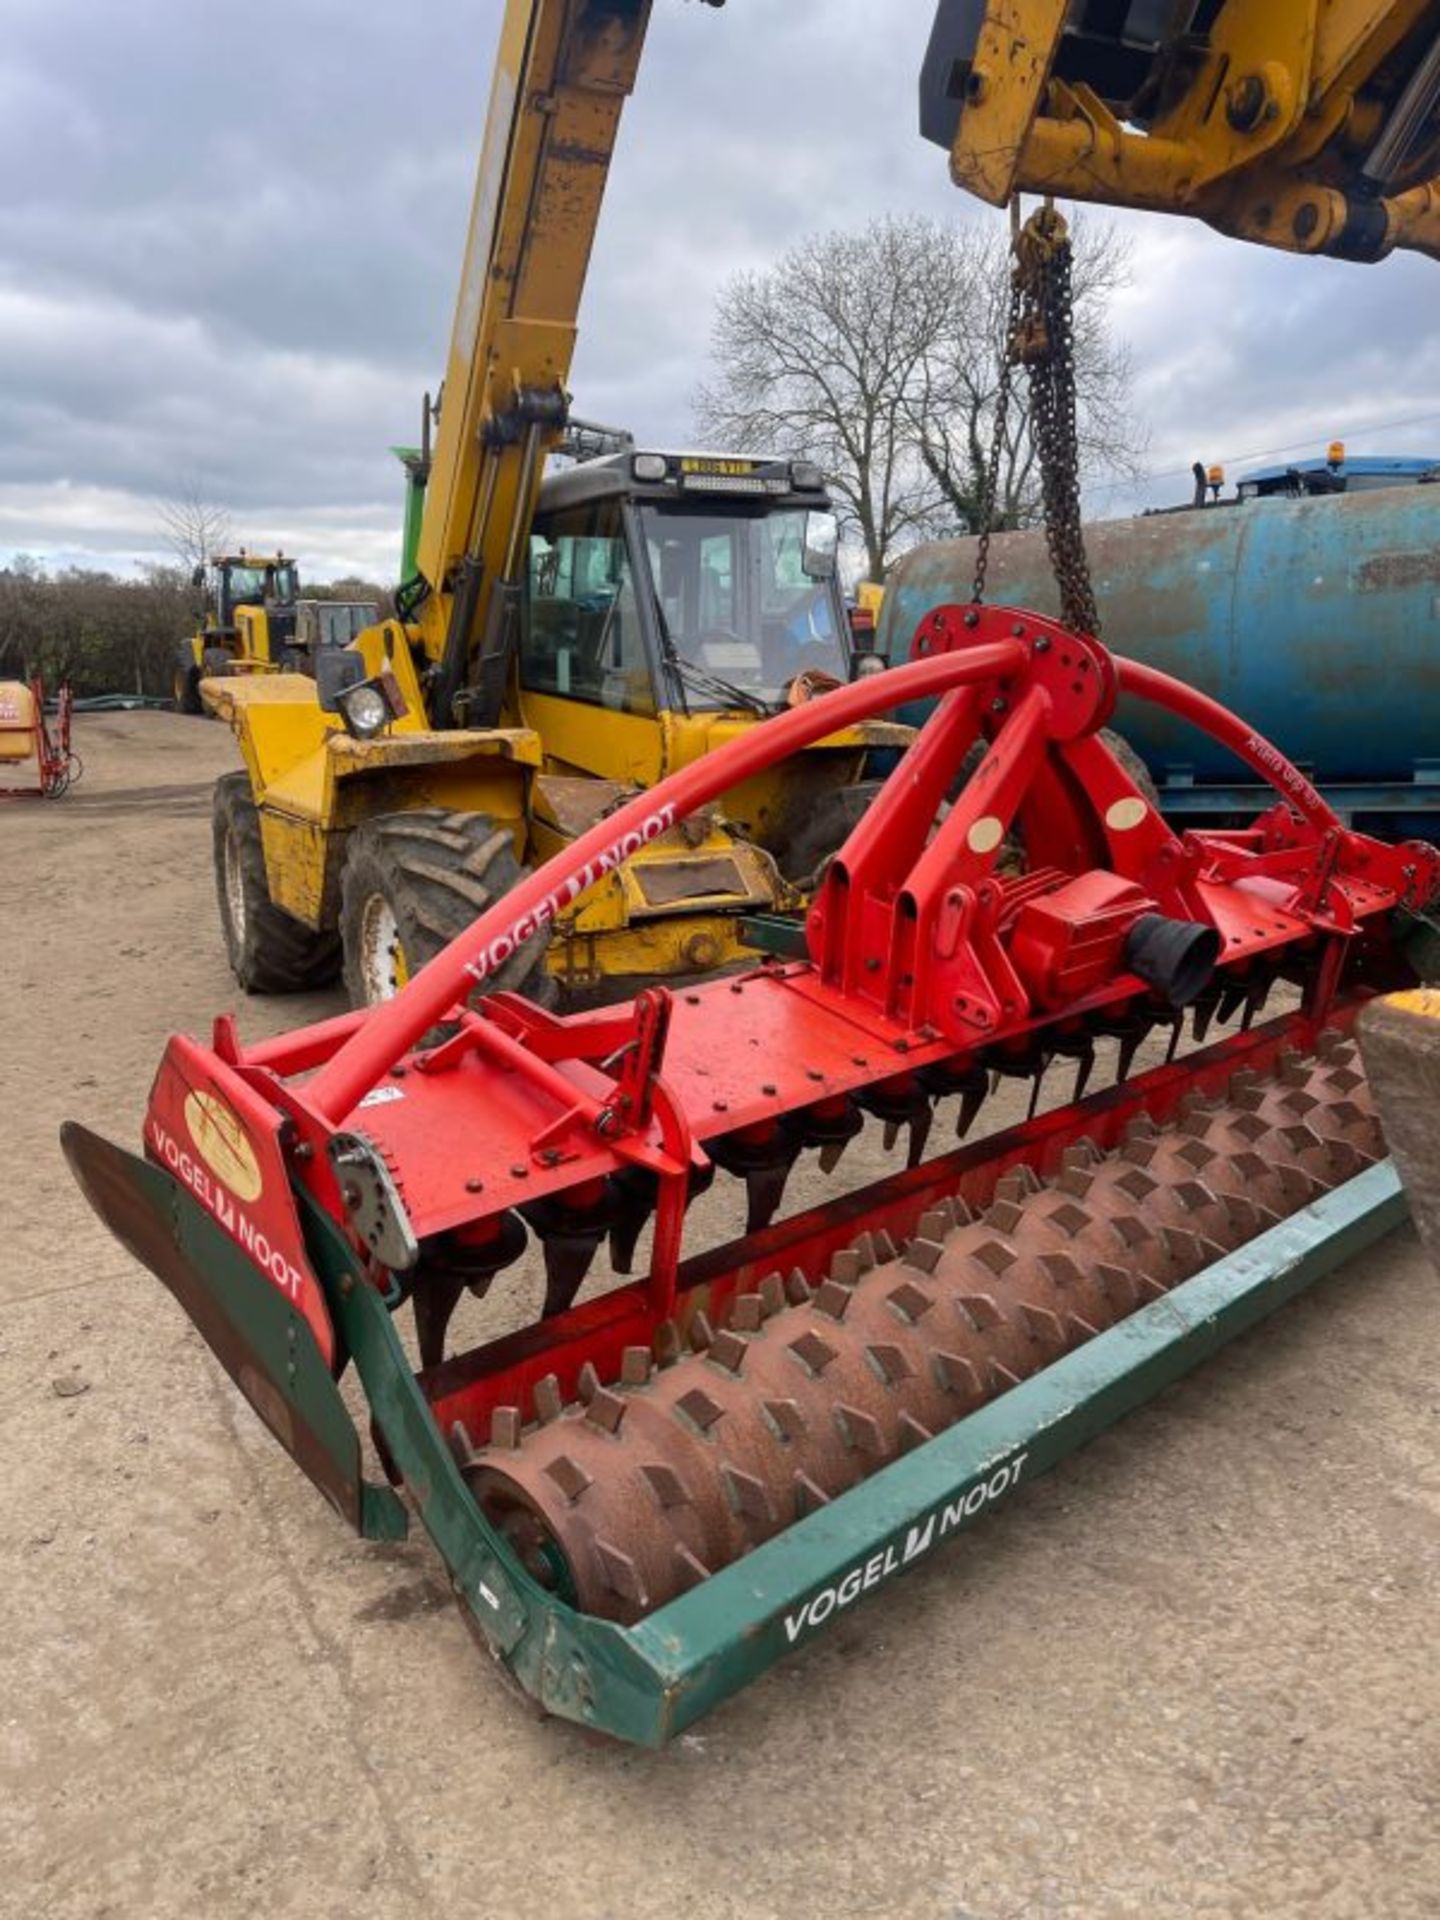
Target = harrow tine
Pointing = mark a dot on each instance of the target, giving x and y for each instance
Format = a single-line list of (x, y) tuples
[(567, 1262), (1233, 996), (831, 1154), (971, 1101), (453, 1264), (571, 1229), (1177, 1034), (763, 1161), (435, 1299), (971, 1085), (636, 1192), (764, 1190), (1037, 1084), (1084, 1067), (1130, 1044), (1255, 1002), (1203, 1013), (920, 1125)]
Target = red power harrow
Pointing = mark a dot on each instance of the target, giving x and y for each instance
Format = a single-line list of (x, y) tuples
[(623, 1450)]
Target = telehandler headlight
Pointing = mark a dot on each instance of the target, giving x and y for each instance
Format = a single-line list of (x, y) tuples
[(364, 711), (369, 708)]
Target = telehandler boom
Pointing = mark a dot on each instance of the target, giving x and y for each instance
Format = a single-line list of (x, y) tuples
[(563, 641), (1310, 125)]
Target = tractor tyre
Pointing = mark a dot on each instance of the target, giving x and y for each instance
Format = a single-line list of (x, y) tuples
[(270, 951), (187, 690), (1129, 760), (412, 883), (1133, 765), (804, 857)]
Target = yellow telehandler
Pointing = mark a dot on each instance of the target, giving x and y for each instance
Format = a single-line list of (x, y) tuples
[(562, 641), (248, 618), (254, 621)]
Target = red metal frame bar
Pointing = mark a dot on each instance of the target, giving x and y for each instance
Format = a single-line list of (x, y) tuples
[(925, 954), (391, 1030), (1188, 703)]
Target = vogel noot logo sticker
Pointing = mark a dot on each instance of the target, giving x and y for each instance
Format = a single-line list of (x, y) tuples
[(221, 1142)]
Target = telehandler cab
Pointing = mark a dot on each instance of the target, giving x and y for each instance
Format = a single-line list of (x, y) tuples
[(668, 602)]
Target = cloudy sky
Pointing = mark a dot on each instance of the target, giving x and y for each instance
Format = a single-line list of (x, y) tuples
[(230, 241)]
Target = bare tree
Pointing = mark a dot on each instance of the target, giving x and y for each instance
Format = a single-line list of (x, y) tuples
[(105, 634), (955, 404), (877, 354), (194, 527)]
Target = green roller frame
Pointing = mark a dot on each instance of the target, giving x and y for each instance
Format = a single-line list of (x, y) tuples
[(646, 1683)]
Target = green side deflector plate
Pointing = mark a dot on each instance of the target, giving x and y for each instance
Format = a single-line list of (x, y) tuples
[(648, 1682)]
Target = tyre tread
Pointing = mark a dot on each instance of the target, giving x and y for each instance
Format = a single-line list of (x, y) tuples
[(278, 953), (439, 870)]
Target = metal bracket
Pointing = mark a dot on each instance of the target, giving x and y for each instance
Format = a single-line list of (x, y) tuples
[(372, 1201), (641, 1061)]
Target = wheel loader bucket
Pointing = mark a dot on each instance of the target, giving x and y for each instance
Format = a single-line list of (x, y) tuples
[(1400, 1042), (259, 1338)]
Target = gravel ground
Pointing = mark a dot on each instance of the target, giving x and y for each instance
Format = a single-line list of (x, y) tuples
[(1190, 1673)]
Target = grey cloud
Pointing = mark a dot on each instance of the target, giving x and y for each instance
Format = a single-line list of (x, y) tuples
[(232, 239)]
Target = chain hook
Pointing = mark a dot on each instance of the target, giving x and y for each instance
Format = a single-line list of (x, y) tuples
[(1040, 336)]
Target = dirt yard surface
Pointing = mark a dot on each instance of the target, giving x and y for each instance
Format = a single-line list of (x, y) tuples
[(1190, 1673)]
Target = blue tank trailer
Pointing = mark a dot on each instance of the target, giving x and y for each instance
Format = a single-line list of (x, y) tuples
[(1309, 602)]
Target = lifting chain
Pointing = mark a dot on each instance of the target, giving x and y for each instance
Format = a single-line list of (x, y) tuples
[(1040, 337)]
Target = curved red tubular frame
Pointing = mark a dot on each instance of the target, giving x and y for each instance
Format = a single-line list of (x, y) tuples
[(1148, 683), (389, 1031), (386, 1033)]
